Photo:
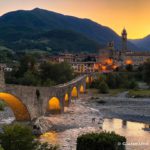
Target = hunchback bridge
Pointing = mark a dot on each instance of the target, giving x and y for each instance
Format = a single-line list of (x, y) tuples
[(30, 102)]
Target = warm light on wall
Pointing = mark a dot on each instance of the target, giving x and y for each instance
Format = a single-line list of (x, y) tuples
[(129, 62), (74, 92), (96, 66), (114, 67), (103, 68), (109, 61), (54, 104), (20, 111)]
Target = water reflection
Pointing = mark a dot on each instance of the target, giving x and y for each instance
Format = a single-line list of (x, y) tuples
[(133, 131), (50, 136)]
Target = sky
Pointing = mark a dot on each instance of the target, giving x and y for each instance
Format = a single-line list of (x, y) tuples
[(134, 15)]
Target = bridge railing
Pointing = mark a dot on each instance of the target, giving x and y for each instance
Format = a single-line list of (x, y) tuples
[(71, 82)]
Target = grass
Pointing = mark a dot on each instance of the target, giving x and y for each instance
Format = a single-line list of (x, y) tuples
[(114, 92), (2, 105), (139, 93)]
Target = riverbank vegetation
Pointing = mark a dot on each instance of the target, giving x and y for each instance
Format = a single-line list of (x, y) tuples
[(20, 137), (114, 81), (139, 93), (29, 72), (103, 140), (2, 105)]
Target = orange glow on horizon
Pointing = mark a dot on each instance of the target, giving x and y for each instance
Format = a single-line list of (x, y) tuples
[(116, 14)]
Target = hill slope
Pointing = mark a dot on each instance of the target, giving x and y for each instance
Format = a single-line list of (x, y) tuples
[(143, 44), (24, 24), (58, 41)]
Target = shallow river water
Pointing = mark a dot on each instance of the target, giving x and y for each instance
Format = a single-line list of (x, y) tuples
[(137, 134)]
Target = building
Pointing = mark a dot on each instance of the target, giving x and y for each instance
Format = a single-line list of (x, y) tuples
[(106, 60)]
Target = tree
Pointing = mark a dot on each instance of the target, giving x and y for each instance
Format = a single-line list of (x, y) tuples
[(146, 71), (59, 73), (111, 80), (132, 84), (103, 87)]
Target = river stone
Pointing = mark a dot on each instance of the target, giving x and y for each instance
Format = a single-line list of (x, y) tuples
[(42, 124)]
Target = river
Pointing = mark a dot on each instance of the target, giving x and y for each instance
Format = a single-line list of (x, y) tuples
[(137, 134)]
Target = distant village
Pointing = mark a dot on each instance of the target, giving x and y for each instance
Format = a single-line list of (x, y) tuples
[(107, 59)]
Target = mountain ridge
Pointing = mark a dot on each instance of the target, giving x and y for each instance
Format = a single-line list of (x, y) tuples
[(19, 24)]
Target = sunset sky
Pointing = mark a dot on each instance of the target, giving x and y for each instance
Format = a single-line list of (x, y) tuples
[(134, 15)]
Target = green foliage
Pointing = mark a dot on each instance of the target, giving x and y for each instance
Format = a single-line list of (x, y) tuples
[(16, 137), (59, 73), (47, 74), (117, 80), (1, 148), (2, 105), (139, 93), (103, 87), (95, 84), (20, 137), (6, 55), (132, 84), (101, 141)]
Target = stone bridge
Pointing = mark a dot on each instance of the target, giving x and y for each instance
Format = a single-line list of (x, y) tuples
[(30, 102)]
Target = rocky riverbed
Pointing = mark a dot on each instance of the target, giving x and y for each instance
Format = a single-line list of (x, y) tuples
[(77, 120), (120, 106)]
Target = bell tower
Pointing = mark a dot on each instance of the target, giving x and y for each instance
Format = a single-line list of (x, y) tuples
[(124, 40), (122, 53)]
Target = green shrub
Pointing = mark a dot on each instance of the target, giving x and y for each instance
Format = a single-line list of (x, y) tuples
[(103, 87), (111, 80), (101, 141), (133, 84), (2, 105), (20, 137), (1, 148), (95, 84)]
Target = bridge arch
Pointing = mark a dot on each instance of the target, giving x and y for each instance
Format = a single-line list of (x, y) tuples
[(54, 105), (66, 99), (20, 111), (74, 92), (87, 80), (82, 90)]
